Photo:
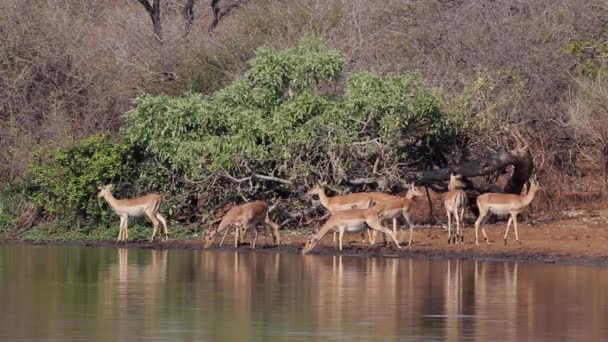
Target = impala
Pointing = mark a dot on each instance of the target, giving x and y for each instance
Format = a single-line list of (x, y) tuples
[(147, 205), (455, 201), (503, 204), (360, 200), (245, 216), (349, 221), (398, 206)]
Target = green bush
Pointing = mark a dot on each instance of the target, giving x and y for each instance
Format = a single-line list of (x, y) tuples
[(66, 184), (280, 119)]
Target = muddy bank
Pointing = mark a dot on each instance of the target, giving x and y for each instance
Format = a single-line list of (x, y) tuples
[(574, 241)]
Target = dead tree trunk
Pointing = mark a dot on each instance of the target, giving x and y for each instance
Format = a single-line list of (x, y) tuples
[(188, 15), (153, 10), (520, 158)]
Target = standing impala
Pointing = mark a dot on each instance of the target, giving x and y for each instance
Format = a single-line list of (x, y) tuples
[(359, 200), (349, 221), (147, 205), (245, 216), (398, 206), (503, 204), (455, 201)]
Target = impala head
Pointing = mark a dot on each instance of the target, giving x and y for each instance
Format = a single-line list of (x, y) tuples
[(104, 190), (316, 190), (208, 240), (413, 191), (455, 182), (534, 183), (310, 244)]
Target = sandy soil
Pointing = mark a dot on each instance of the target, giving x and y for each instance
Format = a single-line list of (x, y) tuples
[(577, 240)]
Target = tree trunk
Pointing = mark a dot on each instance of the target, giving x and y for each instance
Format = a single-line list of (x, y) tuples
[(153, 10), (520, 158), (188, 15)]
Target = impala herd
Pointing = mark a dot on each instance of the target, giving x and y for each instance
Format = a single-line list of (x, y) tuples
[(364, 212)]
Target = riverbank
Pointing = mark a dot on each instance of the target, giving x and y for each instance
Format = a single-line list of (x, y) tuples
[(572, 241)]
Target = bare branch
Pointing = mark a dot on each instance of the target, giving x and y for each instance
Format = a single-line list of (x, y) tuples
[(219, 13), (258, 176), (153, 10), (188, 15)]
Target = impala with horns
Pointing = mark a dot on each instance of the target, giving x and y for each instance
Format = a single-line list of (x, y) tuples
[(147, 205), (359, 200), (503, 204), (455, 201), (349, 221), (392, 209), (243, 217)]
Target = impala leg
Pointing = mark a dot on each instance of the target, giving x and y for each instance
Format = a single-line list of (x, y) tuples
[(449, 227), (120, 228), (340, 237), (458, 231), (254, 228), (515, 225), (152, 218), (478, 222), (507, 230), (483, 230), (335, 237), (224, 237), (386, 231), (409, 223), (236, 237), (163, 221), (462, 224)]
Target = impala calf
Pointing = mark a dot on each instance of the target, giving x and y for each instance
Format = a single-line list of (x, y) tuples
[(349, 221), (243, 217), (147, 205), (455, 201), (503, 204)]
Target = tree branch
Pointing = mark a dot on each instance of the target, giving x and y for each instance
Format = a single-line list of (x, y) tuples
[(153, 10), (219, 13), (258, 176), (188, 15)]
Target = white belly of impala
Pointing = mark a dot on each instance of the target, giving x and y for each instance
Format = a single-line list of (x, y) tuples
[(136, 211), (500, 209), (355, 227)]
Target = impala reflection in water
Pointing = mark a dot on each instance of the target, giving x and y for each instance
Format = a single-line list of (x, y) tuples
[(70, 293)]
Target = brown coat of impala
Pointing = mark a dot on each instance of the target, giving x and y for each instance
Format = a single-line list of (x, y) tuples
[(349, 221), (246, 216), (359, 200), (455, 201), (147, 205), (503, 204), (395, 207)]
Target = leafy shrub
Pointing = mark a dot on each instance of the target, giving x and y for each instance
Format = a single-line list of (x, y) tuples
[(280, 119), (67, 183)]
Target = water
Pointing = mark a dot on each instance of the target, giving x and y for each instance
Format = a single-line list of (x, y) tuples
[(68, 293)]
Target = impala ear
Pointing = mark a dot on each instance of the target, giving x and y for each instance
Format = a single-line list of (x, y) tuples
[(99, 187), (110, 186)]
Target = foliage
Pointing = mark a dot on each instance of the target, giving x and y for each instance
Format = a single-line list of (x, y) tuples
[(591, 56), (281, 120), (67, 183)]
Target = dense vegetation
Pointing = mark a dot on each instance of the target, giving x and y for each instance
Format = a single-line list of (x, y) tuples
[(266, 98)]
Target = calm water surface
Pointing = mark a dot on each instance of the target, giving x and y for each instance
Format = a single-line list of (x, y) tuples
[(70, 293)]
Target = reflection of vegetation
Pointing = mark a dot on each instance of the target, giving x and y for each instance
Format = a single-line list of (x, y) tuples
[(132, 294)]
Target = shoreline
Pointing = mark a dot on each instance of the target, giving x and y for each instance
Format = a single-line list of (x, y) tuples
[(573, 241)]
